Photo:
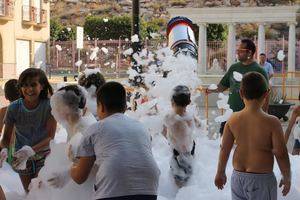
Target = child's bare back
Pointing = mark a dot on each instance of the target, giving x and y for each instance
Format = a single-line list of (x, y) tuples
[(258, 137)]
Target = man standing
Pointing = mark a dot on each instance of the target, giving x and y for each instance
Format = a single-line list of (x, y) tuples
[(246, 64), (266, 65)]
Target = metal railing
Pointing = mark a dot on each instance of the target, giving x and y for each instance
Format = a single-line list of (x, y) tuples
[(6, 8), (29, 14), (43, 18)]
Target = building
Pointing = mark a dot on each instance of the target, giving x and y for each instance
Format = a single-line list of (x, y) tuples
[(24, 35)]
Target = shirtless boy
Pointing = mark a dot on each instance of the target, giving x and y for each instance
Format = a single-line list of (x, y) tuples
[(258, 137)]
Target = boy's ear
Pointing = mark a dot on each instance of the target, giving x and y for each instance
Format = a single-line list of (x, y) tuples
[(241, 93), (267, 93), (102, 107)]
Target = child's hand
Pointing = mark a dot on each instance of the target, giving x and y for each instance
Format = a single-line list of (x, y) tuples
[(22, 156), (3, 156), (286, 183), (59, 179), (220, 180)]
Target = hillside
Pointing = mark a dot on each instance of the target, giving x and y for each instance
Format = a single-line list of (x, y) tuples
[(73, 12)]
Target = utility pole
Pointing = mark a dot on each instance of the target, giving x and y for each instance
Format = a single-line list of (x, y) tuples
[(136, 45)]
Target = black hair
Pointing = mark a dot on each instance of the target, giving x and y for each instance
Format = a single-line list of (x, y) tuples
[(11, 90), (181, 95), (253, 85), (93, 79), (31, 73), (113, 96), (262, 54), (74, 88), (249, 45)]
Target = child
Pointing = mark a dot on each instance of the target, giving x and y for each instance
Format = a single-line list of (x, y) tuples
[(91, 80), (121, 147), (11, 93), (33, 122), (258, 137), (295, 121), (68, 108), (178, 129)]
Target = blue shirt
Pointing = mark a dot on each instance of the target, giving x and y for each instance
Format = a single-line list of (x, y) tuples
[(268, 68), (30, 124)]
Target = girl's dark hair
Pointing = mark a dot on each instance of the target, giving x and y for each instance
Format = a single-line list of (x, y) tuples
[(93, 79), (31, 73), (11, 90), (77, 92)]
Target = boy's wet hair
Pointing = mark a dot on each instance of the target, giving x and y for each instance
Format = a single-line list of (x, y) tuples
[(113, 96), (29, 74), (80, 99), (11, 90), (181, 95), (93, 79), (254, 85)]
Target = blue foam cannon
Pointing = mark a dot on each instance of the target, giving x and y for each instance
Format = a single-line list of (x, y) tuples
[(181, 37)]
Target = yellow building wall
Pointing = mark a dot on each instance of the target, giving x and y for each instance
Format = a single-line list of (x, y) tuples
[(11, 31)]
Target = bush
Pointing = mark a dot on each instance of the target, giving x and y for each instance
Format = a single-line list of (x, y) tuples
[(119, 27), (96, 27), (58, 32)]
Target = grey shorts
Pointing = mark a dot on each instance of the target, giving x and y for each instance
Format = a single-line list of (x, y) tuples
[(251, 186)]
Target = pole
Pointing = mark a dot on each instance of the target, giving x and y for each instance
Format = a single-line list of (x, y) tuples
[(283, 70), (78, 60), (136, 45), (135, 26)]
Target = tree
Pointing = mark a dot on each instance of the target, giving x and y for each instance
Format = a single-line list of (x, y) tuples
[(215, 32), (59, 32)]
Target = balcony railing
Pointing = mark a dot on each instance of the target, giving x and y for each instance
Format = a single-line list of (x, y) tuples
[(29, 15), (41, 18), (34, 16), (6, 9)]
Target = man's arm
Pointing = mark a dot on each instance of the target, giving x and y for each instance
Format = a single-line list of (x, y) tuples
[(281, 154), (220, 88), (271, 72), (295, 114), (80, 171)]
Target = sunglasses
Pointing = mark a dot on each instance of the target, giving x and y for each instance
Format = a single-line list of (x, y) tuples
[(241, 50)]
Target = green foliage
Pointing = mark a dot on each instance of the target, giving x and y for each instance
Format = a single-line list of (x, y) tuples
[(116, 27), (154, 26), (59, 32), (216, 32), (119, 27)]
